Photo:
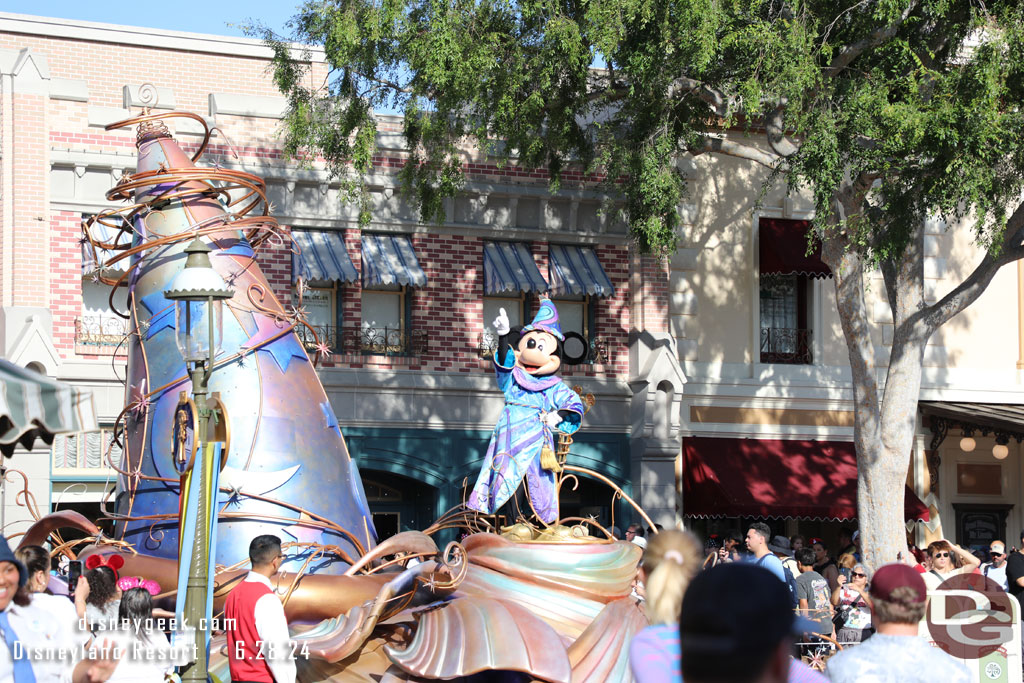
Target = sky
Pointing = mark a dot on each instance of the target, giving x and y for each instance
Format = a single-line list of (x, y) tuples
[(220, 17)]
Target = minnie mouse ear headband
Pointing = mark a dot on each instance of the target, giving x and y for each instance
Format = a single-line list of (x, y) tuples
[(129, 582), (111, 562)]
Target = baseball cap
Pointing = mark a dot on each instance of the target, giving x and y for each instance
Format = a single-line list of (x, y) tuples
[(892, 576), (732, 611)]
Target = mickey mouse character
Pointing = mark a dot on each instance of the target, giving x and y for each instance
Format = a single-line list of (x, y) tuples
[(536, 402)]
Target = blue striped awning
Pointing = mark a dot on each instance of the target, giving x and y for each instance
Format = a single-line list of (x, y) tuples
[(576, 270), (509, 267), (322, 257), (93, 258), (391, 260)]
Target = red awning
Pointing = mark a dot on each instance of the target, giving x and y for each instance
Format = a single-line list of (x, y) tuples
[(782, 249), (770, 478)]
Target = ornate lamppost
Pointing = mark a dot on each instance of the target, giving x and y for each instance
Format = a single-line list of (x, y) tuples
[(198, 293)]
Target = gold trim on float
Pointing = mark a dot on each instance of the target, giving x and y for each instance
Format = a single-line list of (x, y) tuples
[(771, 416)]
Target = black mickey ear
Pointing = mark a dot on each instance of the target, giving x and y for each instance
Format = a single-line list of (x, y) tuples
[(575, 348)]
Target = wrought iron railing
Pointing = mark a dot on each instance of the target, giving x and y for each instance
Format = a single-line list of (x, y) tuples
[(781, 345), (384, 341), (100, 334), (487, 344), (323, 334)]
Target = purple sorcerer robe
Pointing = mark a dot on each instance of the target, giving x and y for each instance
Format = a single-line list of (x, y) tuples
[(519, 436)]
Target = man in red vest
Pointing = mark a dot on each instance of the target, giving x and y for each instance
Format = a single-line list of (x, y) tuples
[(259, 649)]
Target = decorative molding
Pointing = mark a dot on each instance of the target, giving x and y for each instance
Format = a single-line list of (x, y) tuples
[(259, 106), (70, 89), (132, 98), (100, 117)]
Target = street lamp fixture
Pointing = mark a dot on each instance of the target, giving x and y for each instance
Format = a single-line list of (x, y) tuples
[(198, 293)]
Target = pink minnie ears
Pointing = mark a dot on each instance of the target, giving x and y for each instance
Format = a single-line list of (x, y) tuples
[(129, 582), (113, 562)]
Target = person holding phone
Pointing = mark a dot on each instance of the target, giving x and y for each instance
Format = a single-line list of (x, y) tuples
[(853, 605), (33, 624)]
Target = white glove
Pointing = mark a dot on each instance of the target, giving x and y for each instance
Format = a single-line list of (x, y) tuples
[(501, 325), (552, 419)]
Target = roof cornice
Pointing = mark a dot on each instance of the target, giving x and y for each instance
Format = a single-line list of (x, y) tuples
[(140, 36)]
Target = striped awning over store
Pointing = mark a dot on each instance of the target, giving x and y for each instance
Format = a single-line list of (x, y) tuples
[(390, 260), (576, 270), (32, 405), (321, 257), (509, 267), (94, 257)]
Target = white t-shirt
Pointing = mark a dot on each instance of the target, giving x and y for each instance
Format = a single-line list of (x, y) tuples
[(47, 629), (933, 578), (997, 574)]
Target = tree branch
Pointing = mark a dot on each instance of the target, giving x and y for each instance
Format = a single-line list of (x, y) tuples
[(714, 98), (777, 139), (849, 53), (968, 291), (735, 149)]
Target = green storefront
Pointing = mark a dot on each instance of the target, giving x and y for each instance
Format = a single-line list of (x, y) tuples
[(413, 476)]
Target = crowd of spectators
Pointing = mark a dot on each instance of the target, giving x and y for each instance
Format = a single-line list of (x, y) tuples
[(763, 607)]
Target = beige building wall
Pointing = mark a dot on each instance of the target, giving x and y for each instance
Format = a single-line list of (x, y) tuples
[(714, 313)]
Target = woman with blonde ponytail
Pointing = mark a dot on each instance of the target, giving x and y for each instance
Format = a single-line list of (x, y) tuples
[(671, 559)]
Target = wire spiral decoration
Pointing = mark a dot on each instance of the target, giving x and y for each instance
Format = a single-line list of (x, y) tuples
[(112, 237)]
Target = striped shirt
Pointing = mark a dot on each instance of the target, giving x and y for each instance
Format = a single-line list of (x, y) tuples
[(654, 655)]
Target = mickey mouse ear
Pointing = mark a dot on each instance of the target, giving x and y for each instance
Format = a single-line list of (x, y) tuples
[(93, 561), (575, 348), (115, 562)]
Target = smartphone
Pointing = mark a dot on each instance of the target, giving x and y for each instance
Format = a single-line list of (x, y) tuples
[(845, 572), (74, 573)]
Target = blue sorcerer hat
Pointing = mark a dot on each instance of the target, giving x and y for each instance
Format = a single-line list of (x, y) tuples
[(546, 320)]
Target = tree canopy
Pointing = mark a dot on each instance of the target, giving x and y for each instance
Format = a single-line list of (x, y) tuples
[(887, 112), (921, 99)]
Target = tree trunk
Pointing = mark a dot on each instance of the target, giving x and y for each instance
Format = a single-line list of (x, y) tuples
[(883, 426)]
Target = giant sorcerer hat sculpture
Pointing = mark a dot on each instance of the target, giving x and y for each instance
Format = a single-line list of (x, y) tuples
[(288, 470)]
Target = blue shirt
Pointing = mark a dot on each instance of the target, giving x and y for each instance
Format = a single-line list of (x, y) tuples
[(772, 564), (895, 659)]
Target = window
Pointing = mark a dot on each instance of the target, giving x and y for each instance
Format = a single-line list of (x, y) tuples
[(787, 268), (99, 330), (383, 323), (390, 272), (785, 337), (85, 450), (577, 279), (577, 317), (492, 305), (321, 305)]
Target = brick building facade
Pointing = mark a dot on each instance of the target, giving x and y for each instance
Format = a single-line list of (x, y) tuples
[(416, 408)]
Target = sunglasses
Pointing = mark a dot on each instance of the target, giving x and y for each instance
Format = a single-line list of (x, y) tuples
[(937, 555), (858, 575)]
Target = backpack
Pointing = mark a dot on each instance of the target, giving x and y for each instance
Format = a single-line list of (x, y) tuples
[(794, 596)]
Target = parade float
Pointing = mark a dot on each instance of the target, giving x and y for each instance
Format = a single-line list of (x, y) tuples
[(244, 441)]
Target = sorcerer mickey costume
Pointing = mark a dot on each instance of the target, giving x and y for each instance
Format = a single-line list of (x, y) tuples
[(536, 401)]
